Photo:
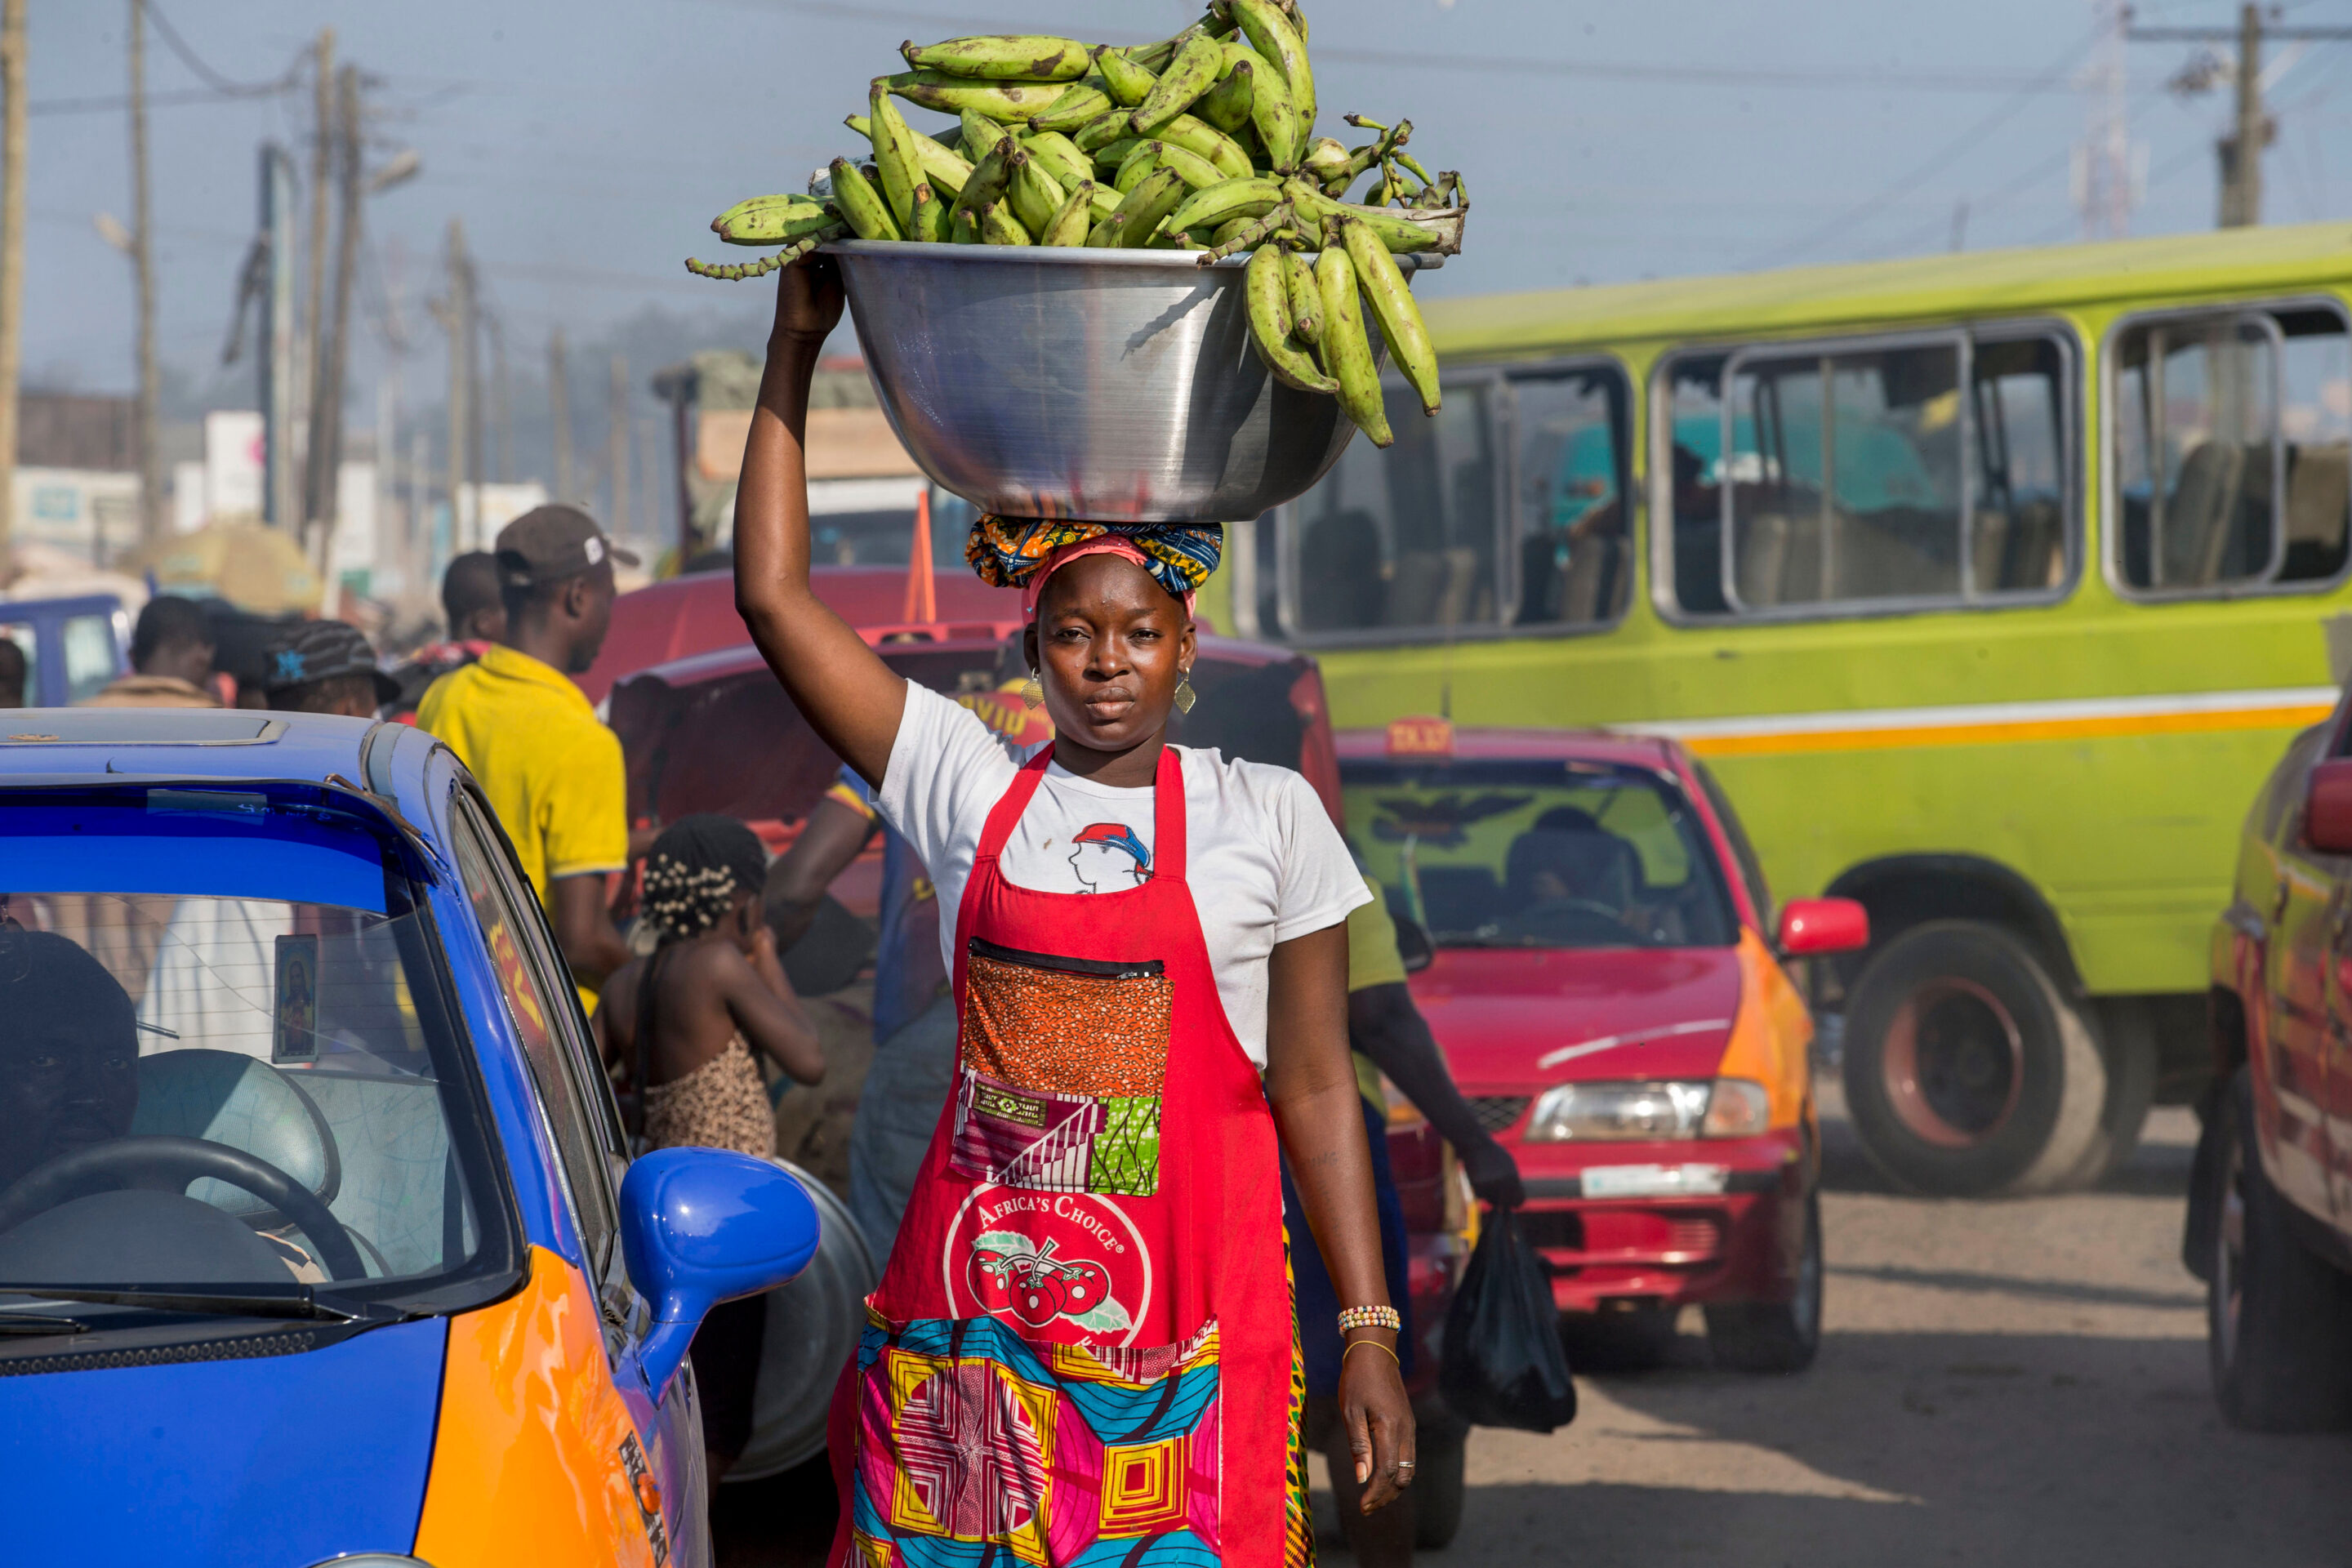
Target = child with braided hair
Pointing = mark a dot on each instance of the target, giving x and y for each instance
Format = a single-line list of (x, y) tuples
[(685, 1021)]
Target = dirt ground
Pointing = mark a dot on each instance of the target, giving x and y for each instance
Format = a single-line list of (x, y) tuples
[(2021, 1384)]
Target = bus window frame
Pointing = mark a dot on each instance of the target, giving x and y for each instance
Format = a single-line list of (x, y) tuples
[(1659, 506), (2111, 455), (1630, 498)]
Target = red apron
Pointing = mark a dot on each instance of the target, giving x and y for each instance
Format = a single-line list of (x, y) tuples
[(1082, 1352)]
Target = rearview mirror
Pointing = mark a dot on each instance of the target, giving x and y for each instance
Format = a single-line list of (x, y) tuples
[(2327, 808), (1810, 927), (699, 1226)]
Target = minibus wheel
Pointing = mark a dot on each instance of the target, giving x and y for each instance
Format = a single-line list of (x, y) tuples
[(2278, 1318), (1967, 1072)]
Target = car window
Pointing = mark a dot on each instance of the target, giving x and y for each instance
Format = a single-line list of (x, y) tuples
[(541, 1014), (1751, 869), (91, 656), (257, 981), (1537, 854)]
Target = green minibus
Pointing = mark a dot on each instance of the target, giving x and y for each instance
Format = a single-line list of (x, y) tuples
[(1987, 586)]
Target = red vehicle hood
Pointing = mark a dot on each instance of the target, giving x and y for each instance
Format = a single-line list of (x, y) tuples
[(1601, 1013)]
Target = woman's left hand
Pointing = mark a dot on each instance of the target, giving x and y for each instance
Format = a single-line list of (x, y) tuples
[(1378, 1413)]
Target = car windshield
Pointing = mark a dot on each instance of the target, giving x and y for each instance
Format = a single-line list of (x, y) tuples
[(227, 1060), (1537, 854)]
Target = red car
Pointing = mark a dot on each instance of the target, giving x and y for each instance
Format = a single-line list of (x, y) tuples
[(1608, 985), (2270, 1205)]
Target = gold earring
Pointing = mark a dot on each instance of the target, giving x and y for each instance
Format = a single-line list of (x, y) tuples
[(1185, 695), (1033, 693)]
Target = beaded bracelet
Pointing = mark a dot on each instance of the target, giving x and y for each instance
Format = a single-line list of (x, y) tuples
[(1371, 1318)]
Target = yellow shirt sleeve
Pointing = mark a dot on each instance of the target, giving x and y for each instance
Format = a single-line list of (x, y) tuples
[(1372, 955), (585, 808)]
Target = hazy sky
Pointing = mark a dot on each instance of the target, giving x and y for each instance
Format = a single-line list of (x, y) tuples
[(586, 143)]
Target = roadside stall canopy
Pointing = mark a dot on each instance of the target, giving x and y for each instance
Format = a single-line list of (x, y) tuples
[(260, 570)]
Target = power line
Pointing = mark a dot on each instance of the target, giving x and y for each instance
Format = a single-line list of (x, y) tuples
[(1951, 151), (211, 78)]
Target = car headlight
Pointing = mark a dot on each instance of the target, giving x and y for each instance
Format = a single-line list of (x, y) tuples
[(1593, 1112)]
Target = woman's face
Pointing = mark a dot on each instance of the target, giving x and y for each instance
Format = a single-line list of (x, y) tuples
[(1110, 645)]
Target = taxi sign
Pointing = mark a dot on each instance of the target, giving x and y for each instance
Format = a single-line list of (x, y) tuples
[(1421, 737)]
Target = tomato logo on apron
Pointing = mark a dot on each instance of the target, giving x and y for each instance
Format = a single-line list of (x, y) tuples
[(1069, 1268)]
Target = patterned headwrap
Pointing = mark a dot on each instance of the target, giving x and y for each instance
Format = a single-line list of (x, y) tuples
[(1012, 552), (698, 865)]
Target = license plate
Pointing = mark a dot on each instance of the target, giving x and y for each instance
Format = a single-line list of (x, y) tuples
[(1655, 1181)]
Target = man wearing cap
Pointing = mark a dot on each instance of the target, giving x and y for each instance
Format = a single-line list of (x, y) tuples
[(325, 667), (550, 771)]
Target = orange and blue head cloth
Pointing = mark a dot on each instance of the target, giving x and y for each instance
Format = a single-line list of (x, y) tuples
[(1023, 551)]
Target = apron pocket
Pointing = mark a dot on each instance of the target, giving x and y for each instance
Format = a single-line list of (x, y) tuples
[(1061, 1063), (966, 1432)]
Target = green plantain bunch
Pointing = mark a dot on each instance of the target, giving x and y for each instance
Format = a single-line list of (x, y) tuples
[(1203, 143)]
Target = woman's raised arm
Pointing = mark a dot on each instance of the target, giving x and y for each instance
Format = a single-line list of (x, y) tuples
[(850, 696)]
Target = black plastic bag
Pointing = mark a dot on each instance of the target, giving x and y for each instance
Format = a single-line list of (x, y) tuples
[(1504, 1365)]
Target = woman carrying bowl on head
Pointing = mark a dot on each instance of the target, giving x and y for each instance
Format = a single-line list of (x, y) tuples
[(1082, 1340)]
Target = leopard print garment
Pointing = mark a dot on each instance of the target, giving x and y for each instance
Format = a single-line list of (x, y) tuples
[(721, 1104)]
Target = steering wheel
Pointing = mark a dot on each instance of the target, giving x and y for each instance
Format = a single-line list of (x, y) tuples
[(164, 1164), (1569, 921)]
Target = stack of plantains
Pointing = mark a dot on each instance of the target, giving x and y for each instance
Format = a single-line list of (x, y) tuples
[(1203, 142)]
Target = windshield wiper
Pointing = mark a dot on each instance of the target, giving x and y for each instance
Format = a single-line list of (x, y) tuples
[(40, 1323), (224, 1304)]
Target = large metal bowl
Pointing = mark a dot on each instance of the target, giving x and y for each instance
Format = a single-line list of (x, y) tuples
[(1118, 386)]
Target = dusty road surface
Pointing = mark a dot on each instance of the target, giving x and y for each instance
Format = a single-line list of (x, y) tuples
[(2015, 1384)]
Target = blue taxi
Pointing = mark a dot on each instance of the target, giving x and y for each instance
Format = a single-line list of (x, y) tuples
[(319, 1238)]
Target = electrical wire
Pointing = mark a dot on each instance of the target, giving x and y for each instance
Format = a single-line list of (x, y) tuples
[(205, 73)]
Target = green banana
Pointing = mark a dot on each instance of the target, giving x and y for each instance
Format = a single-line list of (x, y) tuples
[(1326, 159), (1198, 171), (1268, 295), (1271, 34), (1276, 119), (1306, 298), (1140, 163), (1061, 158), (735, 273), (976, 133), (895, 157), (929, 222), (989, 177), (999, 226), (1111, 154), (771, 220), (1248, 234), (1101, 131), (1192, 73), (1226, 105), (1140, 212), (1005, 100), (1128, 82), (1393, 307), (1079, 103), (863, 208), (1200, 136), (1346, 351), (964, 227), (943, 167), (1226, 201), (1007, 56), (1071, 224), (1401, 235), (1035, 195)]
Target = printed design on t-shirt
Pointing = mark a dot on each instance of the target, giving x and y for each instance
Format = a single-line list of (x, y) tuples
[(1061, 1076), (1109, 859)]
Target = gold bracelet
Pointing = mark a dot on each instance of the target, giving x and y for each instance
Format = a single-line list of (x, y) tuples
[(1378, 1346), (1371, 1318)]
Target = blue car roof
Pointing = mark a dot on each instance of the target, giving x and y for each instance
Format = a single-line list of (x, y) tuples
[(57, 745)]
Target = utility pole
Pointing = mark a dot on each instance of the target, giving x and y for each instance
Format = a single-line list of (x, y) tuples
[(501, 417), (457, 318), (616, 523), (2102, 163), (2239, 151), (314, 300), (12, 257), (558, 413), (281, 493), (143, 261), (326, 392)]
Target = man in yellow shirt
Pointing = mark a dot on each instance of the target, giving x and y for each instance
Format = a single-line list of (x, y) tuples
[(549, 769)]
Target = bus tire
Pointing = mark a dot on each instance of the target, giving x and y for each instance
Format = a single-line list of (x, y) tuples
[(1968, 1073)]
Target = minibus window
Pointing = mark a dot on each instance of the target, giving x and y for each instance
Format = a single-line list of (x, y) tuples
[(1567, 504), (2233, 440), (2018, 392), (1403, 538)]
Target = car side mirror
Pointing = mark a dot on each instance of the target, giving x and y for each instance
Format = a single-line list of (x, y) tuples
[(1810, 927), (699, 1226), (1414, 944), (2327, 808)]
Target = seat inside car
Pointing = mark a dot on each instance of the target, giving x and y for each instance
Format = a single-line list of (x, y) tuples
[(227, 1096)]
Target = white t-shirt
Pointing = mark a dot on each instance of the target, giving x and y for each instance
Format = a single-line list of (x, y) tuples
[(1264, 863)]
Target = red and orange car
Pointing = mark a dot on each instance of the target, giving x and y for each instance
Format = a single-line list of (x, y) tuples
[(1607, 984)]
